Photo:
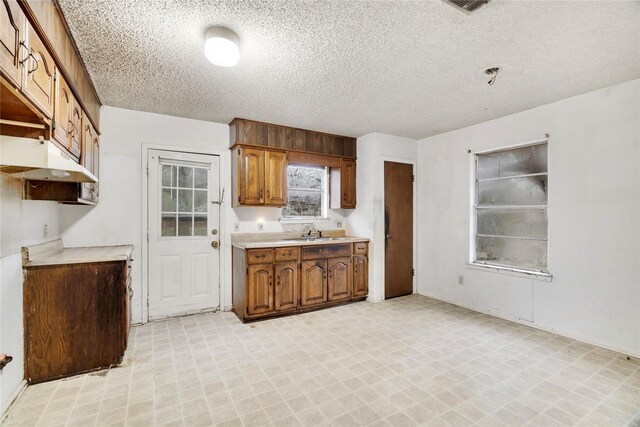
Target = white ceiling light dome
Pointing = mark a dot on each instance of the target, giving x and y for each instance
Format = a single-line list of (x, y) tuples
[(221, 46)]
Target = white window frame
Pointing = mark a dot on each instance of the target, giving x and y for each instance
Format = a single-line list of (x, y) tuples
[(324, 200), (485, 266)]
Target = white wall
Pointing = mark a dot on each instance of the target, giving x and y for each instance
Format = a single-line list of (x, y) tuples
[(367, 220), (21, 224), (118, 217), (594, 219)]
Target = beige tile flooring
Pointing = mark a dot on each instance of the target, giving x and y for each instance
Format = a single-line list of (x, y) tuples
[(406, 361)]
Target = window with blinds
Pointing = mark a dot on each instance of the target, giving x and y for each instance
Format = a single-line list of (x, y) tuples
[(511, 190)]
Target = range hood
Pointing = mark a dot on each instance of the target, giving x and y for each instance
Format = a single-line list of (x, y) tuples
[(38, 159)]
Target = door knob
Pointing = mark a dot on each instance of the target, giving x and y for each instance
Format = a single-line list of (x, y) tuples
[(214, 245), (388, 236)]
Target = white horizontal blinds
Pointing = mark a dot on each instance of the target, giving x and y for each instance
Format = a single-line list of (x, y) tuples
[(306, 188), (511, 207), (184, 207)]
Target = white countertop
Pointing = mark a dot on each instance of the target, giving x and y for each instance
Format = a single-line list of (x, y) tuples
[(295, 242), (53, 253)]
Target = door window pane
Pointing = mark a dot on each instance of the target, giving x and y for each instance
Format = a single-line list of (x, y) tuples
[(169, 200), (200, 178), (168, 225), (185, 200), (199, 225), (166, 175), (200, 200), (185, 226), (185, 177), (184, 191)]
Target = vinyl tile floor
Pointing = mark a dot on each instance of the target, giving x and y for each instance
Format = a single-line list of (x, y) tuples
[(403, 362)]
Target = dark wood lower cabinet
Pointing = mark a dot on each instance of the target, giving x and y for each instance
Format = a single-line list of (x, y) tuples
[(360, 276), (76, 318), (269, 282), (340, 277), (313, 283), (286, 285), (260, 289)]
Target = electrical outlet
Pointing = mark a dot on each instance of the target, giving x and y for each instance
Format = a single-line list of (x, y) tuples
[(460, 280), (338, 224), (236, 226), (45, 232), (260, 226)]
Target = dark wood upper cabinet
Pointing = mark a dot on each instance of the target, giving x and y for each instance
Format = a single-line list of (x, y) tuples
[(259, 177), (38, 84), (260, 289), (12, 24), (251, 132), (75, 135), (62, 122), (251, 176), (286, 296), (90, 159), (275, 178), (348, 184), (339, 280)]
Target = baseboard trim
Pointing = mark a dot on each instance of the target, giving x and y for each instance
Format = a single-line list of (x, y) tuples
[(13, 399), (542, 327)]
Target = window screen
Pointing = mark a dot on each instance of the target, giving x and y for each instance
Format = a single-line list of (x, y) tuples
[(307, 191), (511, 208)]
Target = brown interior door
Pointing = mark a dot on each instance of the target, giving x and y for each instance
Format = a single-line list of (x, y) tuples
[(398, 225)]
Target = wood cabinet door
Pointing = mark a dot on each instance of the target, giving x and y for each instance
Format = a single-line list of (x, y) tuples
[(86, 158), (286, 285), (260, 289), (251, 176), (348, 183), (38, 83), (96, 165), (340, 276), (12, 23), (313, 283), (360, 276), (276, 178), (62, 113), (75, 133)]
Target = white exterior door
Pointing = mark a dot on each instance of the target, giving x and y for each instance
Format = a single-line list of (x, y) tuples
[(184, 233)]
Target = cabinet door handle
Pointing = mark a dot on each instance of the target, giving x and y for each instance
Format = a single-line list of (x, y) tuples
[(35, 60)]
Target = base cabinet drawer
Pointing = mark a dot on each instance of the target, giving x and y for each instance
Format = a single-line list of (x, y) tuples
[(259, 256)]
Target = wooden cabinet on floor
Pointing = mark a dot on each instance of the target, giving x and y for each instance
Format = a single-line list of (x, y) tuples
[(259, 177), (306, 278), (76, 318)]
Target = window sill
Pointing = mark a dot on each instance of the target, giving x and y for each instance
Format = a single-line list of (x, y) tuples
[(303, 220), (511, 271)]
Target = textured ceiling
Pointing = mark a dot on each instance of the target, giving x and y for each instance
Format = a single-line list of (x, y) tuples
[(411, 68)]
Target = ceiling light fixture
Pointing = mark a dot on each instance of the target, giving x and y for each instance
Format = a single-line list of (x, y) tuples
[(221, 46)]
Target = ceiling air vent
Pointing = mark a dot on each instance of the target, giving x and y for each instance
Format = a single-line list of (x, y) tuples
[(467, 6)]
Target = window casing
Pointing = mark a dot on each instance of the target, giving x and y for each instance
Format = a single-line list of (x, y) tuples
[(307, 192), (510, 210)]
